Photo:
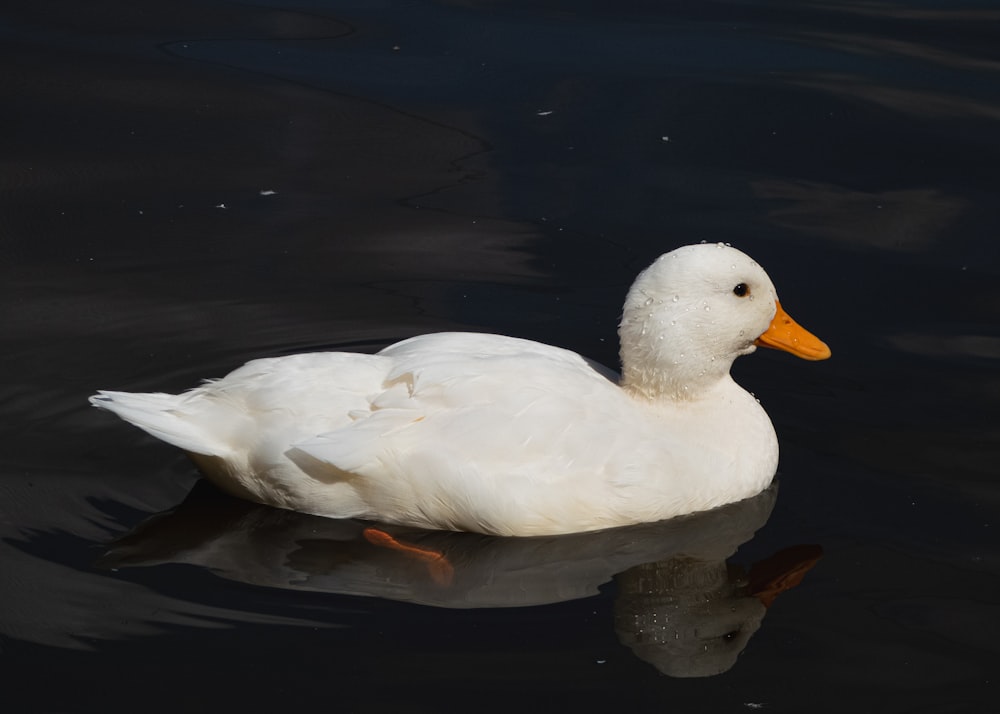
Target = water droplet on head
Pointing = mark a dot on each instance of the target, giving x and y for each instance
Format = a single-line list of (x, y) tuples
[(708, 309), (676, 298), (649, 301)]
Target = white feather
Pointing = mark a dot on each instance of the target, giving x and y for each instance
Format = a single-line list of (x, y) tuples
[(496, 434)]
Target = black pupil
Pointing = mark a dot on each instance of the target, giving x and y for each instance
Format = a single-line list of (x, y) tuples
[(740, 290)]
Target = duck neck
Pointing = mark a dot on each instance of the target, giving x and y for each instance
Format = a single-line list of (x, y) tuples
[(678, 385), (681, 378)]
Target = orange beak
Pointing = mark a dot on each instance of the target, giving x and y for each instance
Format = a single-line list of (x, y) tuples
[(788, 335)]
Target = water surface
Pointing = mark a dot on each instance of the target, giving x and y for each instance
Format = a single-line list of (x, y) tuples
[(189, 185)]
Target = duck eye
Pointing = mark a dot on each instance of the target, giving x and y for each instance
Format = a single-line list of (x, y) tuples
[(741, 290)]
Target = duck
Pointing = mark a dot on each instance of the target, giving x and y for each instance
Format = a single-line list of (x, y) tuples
[(504, 436)]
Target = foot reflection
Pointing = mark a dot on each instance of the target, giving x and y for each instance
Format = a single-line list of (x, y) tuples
[(679, 606)]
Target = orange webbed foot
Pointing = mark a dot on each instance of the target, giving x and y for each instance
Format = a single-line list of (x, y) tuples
[(441, 571)]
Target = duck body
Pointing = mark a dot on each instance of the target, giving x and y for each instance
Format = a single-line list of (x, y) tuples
[(495, 434)]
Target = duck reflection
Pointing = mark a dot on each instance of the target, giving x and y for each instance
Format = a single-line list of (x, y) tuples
[(679, 605), (690, 617)]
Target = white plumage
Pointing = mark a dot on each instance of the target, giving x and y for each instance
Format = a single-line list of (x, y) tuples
[(500, 435)]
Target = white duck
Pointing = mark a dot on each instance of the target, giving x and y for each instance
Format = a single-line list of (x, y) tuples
[(504, 436)]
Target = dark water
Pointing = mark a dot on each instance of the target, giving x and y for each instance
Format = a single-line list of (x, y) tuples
[(508, 167)]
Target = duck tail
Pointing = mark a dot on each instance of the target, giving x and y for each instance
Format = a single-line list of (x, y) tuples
[(174, 418)]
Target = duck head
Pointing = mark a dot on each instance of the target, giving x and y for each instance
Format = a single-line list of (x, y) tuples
[(695, 310)]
